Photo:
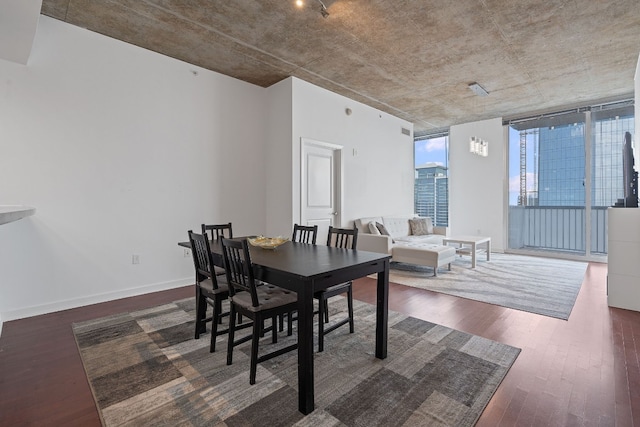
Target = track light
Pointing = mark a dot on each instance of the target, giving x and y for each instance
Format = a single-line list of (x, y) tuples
[(323, 8)]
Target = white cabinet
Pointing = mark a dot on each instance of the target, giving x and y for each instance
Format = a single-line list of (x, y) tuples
[(623, 281)]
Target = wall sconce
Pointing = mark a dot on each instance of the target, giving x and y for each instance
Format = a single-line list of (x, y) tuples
[(478, 146)]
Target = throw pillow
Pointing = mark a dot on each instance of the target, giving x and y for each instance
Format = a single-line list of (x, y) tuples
[(373, 229), (383, 230), (421, 226)]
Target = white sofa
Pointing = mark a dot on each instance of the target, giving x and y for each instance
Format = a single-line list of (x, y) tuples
[(402, 245)]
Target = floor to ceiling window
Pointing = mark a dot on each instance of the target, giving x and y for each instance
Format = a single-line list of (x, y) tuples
[(431, 155), (607, 181), (565, 170)]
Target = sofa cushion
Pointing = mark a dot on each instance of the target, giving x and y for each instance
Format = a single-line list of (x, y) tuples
[(421, 226), (383, 230), (434, 239), (363, 223), (373, 229), (397, 225)]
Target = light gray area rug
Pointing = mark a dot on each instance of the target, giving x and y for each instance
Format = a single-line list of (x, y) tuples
[(145, 369), (538, 285)]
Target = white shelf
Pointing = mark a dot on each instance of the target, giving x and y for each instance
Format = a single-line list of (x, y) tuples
[(623, 280)]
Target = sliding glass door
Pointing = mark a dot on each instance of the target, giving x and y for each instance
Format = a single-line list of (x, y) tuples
[(565, 171), (547, 210), (607, 135)]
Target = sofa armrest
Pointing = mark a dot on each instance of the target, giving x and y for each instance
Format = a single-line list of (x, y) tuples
[(374, 243), (443, 231)]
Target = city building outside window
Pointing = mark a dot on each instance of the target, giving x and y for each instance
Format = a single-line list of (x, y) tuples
[(431, 178)]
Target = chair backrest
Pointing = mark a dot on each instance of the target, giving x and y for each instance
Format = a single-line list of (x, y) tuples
[(305, 233), (202, 259), (237, 264), (217, 231), (346, 238)]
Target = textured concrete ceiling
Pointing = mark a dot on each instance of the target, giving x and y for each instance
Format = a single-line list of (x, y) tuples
[(411, 58)]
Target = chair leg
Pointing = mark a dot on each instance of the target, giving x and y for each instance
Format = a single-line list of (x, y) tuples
[(289, 324), (274, 329), (321, 307), (350, 307), (232, 330), (217, 309), (257, 322), (281, 322), (201, 313), (326, 310)]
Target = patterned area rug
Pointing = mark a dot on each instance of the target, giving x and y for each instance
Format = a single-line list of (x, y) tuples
[(145, 368), (538, 285)]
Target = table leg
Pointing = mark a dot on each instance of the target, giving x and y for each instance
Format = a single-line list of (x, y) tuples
[(305, 349), (489, 250), (473, 254), (382, 312)]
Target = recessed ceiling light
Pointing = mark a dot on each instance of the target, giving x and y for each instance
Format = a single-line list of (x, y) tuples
[(299, 3)]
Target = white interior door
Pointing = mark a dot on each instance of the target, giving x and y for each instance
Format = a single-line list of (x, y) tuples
[(321, 186)]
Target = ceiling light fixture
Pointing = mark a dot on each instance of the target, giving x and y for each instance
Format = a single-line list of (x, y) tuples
[(478, 90), (323, 8)]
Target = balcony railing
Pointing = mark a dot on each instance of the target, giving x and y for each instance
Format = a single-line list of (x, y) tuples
[(557, 228)]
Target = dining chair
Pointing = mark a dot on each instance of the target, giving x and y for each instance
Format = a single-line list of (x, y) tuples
[(302, 234), (211, 289), (215, 232), (345, 238), (305, 233), (256, 302)]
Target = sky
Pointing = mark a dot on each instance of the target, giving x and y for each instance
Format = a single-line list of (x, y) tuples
[(431, 150)]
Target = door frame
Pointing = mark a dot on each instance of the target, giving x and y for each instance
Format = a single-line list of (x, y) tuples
[(338, 170)]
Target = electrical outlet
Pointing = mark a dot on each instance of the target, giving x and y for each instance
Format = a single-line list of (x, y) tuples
[(187, 253), (135, 259)]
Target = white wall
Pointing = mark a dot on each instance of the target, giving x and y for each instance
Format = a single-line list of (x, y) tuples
[(121, 151), (477, 185), (18, 23), (279, 160), (636, 148), (379, 178)]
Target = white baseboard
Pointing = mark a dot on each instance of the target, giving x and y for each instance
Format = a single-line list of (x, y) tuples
[(93, 299)]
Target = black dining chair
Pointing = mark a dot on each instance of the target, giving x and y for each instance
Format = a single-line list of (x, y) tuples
[(305, 234), (215, 232), (302, 234), (345, 238), (256, 302), (211, 289)]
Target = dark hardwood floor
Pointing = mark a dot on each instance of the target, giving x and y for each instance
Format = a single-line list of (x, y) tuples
[(584, 371)]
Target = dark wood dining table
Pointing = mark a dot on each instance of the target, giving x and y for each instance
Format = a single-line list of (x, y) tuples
[(306, 269)]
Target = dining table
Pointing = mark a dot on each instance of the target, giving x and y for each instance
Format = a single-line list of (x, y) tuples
[(306, 269)]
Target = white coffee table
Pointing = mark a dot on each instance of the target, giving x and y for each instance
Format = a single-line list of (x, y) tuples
[(468, 245)]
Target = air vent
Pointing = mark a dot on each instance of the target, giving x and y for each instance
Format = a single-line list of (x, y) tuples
[(406, 132)]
